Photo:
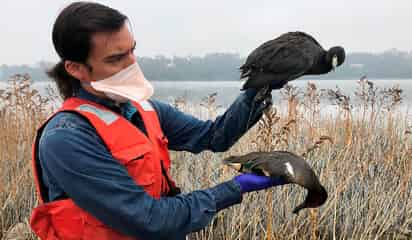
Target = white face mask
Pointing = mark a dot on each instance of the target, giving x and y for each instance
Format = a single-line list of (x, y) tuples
[(128, 84)]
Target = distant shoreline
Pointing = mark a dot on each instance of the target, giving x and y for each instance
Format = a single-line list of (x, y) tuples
[(391, 64)]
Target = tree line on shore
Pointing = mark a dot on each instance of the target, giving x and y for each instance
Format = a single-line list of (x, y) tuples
[(225, 67)]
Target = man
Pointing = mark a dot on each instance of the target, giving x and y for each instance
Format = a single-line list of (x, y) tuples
[(101, 162)]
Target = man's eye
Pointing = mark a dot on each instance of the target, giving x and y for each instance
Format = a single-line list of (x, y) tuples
[(116, 59)]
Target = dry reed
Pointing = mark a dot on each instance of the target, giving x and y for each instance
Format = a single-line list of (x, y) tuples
[(362, 153)]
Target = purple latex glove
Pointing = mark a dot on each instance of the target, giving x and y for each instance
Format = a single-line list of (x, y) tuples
[(251, 182)]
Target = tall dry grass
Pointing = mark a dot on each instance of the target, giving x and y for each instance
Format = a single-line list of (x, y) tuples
[(362, 152), (22, 109)]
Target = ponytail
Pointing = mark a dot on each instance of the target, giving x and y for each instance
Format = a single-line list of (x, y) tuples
[(67, 85)]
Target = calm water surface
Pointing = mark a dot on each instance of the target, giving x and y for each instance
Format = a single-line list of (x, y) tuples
[(227, 91)]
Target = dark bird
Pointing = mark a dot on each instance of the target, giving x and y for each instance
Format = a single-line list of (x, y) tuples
[(290, 56), (285, 166)]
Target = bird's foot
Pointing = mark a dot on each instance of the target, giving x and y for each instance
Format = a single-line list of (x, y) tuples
[(264, 96)]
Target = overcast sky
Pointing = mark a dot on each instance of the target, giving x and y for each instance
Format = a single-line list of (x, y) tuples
[(190, 27)]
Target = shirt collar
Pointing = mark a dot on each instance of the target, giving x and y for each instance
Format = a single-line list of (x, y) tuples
[(83, 94), (126, 109)]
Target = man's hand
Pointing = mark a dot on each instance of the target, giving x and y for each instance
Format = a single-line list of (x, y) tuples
[(250, 182)]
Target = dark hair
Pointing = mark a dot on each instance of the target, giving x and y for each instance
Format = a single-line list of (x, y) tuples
[(72, 33)]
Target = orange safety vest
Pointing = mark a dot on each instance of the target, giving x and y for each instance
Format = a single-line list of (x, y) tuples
[(146, 159)]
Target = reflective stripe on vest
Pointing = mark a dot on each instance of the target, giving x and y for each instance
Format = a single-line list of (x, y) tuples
[(146, 159)]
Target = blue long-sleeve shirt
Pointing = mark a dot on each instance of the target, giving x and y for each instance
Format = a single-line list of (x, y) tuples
[(75, 163)]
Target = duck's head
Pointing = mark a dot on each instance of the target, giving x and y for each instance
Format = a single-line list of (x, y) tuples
[(335, 56), (314, 198)]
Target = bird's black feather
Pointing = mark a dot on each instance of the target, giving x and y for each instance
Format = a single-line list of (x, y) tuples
[(284, 59)]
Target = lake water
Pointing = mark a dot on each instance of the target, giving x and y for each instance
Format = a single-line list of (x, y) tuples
[(227, 91)]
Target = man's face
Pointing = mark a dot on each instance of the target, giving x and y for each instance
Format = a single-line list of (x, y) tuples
[(110, 53)]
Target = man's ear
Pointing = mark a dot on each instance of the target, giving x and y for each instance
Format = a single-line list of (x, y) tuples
[(77, 70)]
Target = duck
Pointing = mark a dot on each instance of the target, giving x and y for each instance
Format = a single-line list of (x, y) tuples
[(286, 166), (286, 58)]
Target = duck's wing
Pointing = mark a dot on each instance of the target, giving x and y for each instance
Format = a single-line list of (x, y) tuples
[(307, 37), (296, 166), (244, 159), (270, 166), (269, 163), (270, 48), (283, 54), (251, 162), (276, 66)]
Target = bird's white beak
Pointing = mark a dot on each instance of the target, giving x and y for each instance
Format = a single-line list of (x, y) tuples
[(334, 62)]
